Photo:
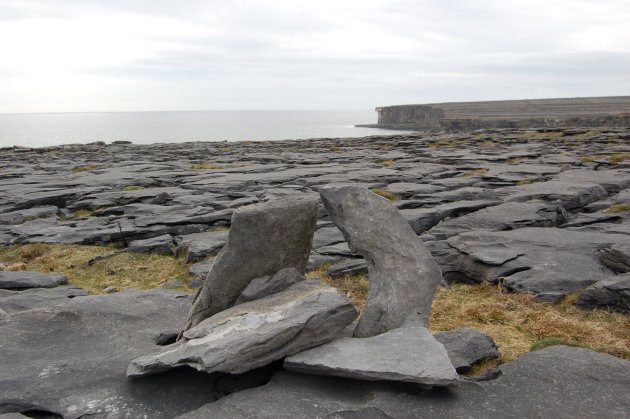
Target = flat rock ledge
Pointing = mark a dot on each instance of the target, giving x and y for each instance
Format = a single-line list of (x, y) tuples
[(24, 280), (408, 354), (256, 333)]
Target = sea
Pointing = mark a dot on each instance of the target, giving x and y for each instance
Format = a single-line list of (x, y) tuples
[(49, 129)]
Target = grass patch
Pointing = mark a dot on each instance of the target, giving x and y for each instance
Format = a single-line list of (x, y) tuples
[(619, 158), (386, 163), (82, 213), (87, 168), (526, 182), (354, 286), (385, 194), (218, 228), (477, 172), (124, 270), (129, 188), (618, 208), (517, 322)]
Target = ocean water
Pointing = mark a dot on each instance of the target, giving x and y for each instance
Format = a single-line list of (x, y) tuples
[(40, 130)]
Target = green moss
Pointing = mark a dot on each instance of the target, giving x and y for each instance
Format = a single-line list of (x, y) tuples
[(618, 208), (552, 341), (206, 166), (132, 188)]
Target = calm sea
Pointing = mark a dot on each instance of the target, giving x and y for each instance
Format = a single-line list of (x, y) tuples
[(39, 130)]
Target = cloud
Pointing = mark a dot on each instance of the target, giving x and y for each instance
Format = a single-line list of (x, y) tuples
[(89, 55)]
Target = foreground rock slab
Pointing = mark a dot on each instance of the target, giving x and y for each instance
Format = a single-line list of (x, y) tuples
[(69, 358), (25, 279), (467, 347), (403, 275), (611, 294), (264, 239), (409, 354), (256, 333), (558, 381)]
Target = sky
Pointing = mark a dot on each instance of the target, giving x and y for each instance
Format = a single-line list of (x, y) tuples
[(145, 55)]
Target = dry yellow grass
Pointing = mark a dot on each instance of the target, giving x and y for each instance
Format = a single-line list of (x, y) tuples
[(515, 321), (385, 194), (477, 172), (85, 168), (124, 270)]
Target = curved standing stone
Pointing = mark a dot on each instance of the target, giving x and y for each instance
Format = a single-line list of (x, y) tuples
[(403, 275), (264, 238)]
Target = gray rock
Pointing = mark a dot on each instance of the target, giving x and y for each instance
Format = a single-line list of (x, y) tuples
[(316, 261), (267, 285), (25, 279), (612, 294), (339, 250), (558, 382), (20, 216), (69, 359), (408, 354), (327, 236), (348, 267), (572, 195), (403, 274), (467, 347), (201, 245), (507, 216), (201, 269), (617, 257), (423, 219), (256, 333), (160, 245), (16, 301), (264, 238), (550, 262)]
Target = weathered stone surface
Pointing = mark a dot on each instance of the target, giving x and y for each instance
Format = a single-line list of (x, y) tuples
[(612, 294), (256, 333), (423, 219), (20, 216), (70, 358), (582, 382), (531, 259), (263, 239), (403, 275), (507, 216), (25, 279), (267, 285), (467, 347), (617, 257), (160, 245), (198, 246), (408, 354), (15, 301)]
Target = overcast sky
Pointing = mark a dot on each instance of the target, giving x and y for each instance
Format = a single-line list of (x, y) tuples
[(127, 55)]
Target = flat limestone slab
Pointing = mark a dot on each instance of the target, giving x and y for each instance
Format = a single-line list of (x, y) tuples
[(25, 279), (254, 334), (409, 354)]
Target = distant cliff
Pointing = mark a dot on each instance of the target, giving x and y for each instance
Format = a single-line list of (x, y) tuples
[(613, 111)]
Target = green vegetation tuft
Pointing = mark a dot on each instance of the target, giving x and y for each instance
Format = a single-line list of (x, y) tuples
[(386, 194), (206, 166), (386, 163), (552, 341), (618, 208), (129, 188)]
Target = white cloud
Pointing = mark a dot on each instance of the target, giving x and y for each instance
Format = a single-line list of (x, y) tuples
[(73, 55)]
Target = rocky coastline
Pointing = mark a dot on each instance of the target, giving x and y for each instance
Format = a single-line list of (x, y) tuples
[(540, 212)]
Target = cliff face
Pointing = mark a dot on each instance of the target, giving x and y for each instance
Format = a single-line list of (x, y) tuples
[(611, 111)]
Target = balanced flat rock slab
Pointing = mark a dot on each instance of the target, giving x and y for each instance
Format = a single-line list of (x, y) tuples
[(409, 354), (263, 239), (555, 382), (255, 333), (26, 279)]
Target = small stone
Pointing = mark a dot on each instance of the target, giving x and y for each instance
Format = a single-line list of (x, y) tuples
[(467, 347)]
